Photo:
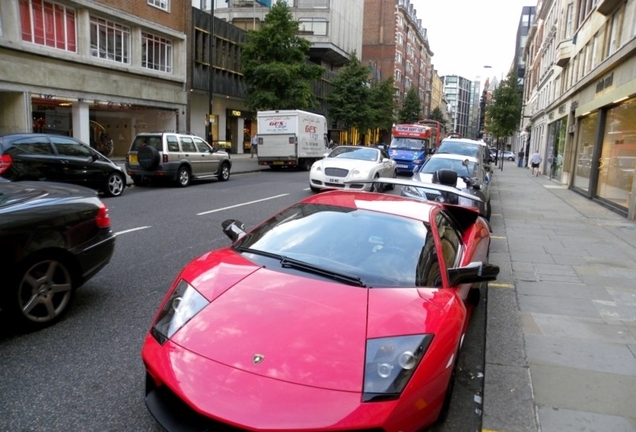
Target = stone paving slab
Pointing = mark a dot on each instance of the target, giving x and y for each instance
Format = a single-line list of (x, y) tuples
[(559, 420)]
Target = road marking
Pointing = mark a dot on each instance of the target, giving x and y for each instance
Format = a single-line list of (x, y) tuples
[(498, 237), (500, 285), (240, 205), (131, 230)]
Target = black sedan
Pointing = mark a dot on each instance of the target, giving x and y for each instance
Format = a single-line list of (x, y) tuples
[(53, 238), (50, 157)]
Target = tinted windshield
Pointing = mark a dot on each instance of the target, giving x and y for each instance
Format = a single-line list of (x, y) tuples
[(434, 164), (381, 249), (360, 153), (408, 144), (460, 148)]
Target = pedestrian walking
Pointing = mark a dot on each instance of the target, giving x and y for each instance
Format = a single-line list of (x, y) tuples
[(520, 155), (254, 146), (535, 160)]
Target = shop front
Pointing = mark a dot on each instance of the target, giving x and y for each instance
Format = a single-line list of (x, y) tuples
[(556, 148), (606, 156), (111, 126)]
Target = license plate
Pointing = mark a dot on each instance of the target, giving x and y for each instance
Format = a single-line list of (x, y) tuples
[(402, 166), (133, 158), (334, 180), (277, 162)]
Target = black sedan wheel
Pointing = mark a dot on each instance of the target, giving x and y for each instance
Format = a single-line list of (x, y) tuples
[(43, 292), (115, 184)]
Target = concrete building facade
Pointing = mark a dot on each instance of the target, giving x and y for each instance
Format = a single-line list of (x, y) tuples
[(84, 67), (459, 93), (580, 97)]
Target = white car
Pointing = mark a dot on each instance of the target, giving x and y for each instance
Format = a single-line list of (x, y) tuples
[(347, 164)]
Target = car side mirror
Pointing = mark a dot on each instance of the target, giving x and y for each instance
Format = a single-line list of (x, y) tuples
[(474, 272), (234, 229)]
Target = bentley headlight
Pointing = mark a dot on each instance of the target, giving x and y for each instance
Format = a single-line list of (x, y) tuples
[(184, 303), (358, 172), (390, 364), (317, 167)]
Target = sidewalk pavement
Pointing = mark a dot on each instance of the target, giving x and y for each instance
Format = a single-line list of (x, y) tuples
[(561, 318)]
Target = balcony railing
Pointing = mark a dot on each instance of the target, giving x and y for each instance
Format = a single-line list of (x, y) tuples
[(606, 7)]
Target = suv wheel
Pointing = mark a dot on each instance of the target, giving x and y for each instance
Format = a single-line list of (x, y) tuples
[(115, 184), (148, 157), (183, 176), (224, 174)]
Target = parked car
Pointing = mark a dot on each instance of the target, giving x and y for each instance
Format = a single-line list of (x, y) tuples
[(509, 155), (465, 147), (175, 157), (351, 163), (340, 312), (472, 177), (58, 158), (53, 238)]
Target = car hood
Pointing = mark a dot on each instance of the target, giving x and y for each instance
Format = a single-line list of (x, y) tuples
[(428, 178), (348, 164), (303, 330)]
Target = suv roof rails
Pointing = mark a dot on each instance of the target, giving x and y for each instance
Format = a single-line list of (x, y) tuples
[(171, 131)]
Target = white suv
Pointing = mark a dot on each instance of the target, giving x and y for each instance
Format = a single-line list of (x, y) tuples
[(175, 156)]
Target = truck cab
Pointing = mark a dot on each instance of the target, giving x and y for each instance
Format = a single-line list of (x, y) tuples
[(410, 146)]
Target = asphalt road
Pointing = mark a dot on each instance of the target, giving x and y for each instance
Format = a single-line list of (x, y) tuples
[(85, 373)]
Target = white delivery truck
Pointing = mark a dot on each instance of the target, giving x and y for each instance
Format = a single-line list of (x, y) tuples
[(291, 138)]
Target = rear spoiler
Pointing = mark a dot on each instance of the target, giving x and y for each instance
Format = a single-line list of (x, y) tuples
[(464, 216)]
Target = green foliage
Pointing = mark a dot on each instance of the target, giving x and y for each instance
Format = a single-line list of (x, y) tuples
[(438, 115), (383, 104), (275, 64), (502, 115), (411, 109), (351, 99)]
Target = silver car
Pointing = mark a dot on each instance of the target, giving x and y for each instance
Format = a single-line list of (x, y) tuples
[(472, 177), (176, 157)]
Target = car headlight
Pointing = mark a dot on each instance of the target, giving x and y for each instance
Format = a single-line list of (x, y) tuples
[(413, 191), (357, 172), (317, 166), (390, 364), (418, 161), (184, 303)]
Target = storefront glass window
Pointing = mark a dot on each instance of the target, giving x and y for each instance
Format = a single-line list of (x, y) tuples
[(587, 126), (618, 155), (556, 144)]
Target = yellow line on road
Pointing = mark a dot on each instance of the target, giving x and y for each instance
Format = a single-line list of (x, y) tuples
[(499, 237), (500, 285)]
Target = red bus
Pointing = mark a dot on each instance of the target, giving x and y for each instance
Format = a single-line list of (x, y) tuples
[(439, 131)]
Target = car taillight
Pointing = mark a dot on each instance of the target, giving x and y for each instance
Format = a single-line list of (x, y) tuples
[(165, 158), (5, 162), (103, 218)]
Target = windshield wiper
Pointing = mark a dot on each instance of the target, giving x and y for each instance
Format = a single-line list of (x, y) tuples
[(310, 268)]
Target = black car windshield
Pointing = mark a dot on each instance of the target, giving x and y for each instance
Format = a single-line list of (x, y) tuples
[(359, 153), (437, 163), (380, 249), (408, 144)]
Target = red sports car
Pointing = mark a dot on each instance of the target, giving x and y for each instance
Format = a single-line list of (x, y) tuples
[(343, 312)]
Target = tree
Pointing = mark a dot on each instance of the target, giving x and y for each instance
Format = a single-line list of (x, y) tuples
[(438, 115), (502, 115), (275, 64), (350, 101), (411, 109), (383, 104)]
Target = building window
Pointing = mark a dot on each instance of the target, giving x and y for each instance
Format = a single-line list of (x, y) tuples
[(161, 4), (313, 4), (49, 24), (398, 76), (315, 26), (110, 41), (201, 46), (156, 53), (398, 57)]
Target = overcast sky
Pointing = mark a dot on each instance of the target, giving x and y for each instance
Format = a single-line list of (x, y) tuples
[(466, 35)]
